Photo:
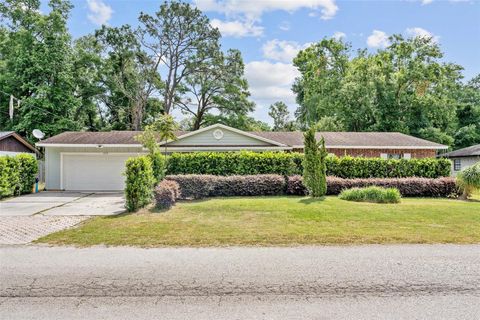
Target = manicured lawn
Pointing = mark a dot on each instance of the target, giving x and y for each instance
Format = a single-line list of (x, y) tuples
[(283, 221)]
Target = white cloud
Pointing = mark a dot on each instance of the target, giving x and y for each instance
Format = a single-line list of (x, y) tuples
[(237, 28), (378, 39), (424, 2), (420, 32), (270, 82), (284, 26), (253, 9), (282, 50), (100, 12), (339, 35)]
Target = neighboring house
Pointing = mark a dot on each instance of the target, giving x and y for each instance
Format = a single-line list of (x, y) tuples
[(463, 158), (12, 144), (96, 160)]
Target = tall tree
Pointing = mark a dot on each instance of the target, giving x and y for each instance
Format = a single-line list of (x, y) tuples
[(218, 86), (281, 117), (181, 36), (405, 87), (322, 67), (37, 67), (129, 75), (314, 167)]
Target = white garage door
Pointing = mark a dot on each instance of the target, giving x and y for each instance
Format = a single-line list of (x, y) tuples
[(102, 172)]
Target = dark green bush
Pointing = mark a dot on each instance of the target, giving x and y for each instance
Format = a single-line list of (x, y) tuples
[(158, 165), (231, 163), (202, 186), (371, 194), (17, 174), (28, 169), (250, 163), (408, 187), (139, 182), (9, 176)]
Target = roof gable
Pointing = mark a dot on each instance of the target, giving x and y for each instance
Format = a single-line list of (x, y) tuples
[(221, 135), (17, 137)]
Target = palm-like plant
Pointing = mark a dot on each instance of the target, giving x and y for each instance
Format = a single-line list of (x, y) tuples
[(469, 180), (166, 127)]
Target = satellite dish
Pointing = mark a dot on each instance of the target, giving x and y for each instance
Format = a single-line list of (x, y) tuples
[(38, 134)]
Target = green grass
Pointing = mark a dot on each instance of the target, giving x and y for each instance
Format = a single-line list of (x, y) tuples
[(282, 221)]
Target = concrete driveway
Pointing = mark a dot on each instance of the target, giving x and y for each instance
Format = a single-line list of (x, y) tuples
[(64, 204), (27, 218)]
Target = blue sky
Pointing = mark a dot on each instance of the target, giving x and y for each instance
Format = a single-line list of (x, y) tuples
[(270, 32)]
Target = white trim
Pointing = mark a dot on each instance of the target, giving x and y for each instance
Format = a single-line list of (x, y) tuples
[(221, 148), (96, 145), (379, 147), (90, 154), (219, 125)]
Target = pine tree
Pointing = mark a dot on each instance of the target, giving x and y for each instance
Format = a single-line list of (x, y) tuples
[(314, 169)]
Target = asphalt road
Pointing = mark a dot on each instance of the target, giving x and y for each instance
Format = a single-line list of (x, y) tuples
[(363, 282)]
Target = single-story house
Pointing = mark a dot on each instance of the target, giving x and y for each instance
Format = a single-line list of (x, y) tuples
[(95, 160), (463, 158), (12, 144)]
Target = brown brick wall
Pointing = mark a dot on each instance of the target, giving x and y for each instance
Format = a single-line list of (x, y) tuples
[(375, 153)]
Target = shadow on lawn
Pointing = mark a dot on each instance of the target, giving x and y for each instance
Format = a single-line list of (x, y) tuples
[(311, 200)]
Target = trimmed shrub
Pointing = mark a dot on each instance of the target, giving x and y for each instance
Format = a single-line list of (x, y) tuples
[(139, 182), (469, 180), (408, 187), (296, 187), (256, 185), (9, 176), (28, 169), (158, 165), (231, 163), (202, 186), (17, 174), (250, 163), (166, 194), (371, 194), (193, 186)]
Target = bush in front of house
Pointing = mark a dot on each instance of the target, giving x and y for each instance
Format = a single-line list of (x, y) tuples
[(139, 182), (230, 163), (408, 187), (28, 169), (314, 169), (158, 165), (9, 176), (166, 194), (17, 174), (250, 163), (371, 194), (202, 186), (468, 180)]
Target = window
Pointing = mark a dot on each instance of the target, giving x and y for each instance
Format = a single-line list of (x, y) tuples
[(457, 165), (394, 156)]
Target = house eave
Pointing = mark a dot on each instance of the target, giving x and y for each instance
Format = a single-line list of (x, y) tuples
[(89, 145), (381, 147)]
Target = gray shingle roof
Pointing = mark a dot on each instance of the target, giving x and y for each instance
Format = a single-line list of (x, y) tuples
[(353, 139), (332, 139), (5, 133), (465, 152)]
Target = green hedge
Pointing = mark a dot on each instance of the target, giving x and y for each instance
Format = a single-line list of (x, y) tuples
[(139, 182), (250, 163), (17, 174)]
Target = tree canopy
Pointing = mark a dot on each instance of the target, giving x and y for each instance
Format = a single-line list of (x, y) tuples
[(405, 87)]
